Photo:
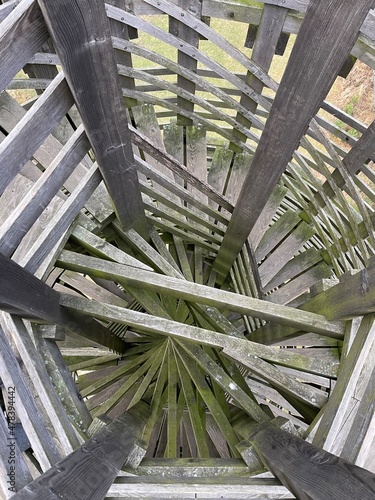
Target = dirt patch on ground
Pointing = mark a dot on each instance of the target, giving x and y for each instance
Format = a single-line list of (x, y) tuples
[(355, 94)]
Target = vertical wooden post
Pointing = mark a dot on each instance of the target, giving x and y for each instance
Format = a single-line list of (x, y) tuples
[(180, 30), (81, 34), (310, 473)]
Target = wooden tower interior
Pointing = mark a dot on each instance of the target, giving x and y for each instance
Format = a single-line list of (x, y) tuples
[(187, 270)]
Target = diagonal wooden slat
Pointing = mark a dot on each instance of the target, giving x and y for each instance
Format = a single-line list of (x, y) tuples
[(88, 472), (198, 293), (81, 34), (22, 33), (317, 57)]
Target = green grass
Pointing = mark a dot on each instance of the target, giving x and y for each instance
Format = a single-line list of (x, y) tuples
[(349, 109)]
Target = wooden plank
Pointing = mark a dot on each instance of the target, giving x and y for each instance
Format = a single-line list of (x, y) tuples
[(267, 37), (99, 204), (30, 297), (61, 378), (361, 151), (308, 471), (22, 33), (39, 257), (242, 350), (14, 472), (284, 252), (183, 32), (178, 168), (204, 30), (339, 427), (198, 293), (318, 54), (209, 400), (17, 148), (354, 296), (42, 192), (96, 103), (301, 284), (186, 467), (34, 365), (205, 488), (276, 233), (6, 8), (98, 460), (267, 214), (225, 381), (40, 437), (191, 398)]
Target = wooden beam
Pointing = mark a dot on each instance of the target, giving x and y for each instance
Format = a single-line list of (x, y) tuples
[(81, 34), (363, 149), (318, 54), (241, 350), (22, 33), (32, 130), (310, 473), (88, 472), (197, 293), (23, 294)]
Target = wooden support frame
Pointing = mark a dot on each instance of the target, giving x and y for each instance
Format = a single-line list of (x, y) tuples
[(319, 475), (87, 59), (22, 33), (318, 55), (94, 465), (31, 298)]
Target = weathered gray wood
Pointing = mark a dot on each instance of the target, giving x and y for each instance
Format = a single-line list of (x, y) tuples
[(180, 30), (352, 297), (198, 293), (207, 488), (7, 7), (203, 29), (284, 252), (243, 351), (63, 382), (341, 426), (12, 461), (178, 168), (26, 137), (318, 53), (22, 33), (309, 472), (40, 437), (89, 471), (96, 103), (48, 241), (268, 34), (38, 197), (31, 298), (34, 366), (361, 151)]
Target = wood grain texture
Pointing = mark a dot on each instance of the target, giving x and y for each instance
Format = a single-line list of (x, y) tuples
[(310, 473), (22, 33), (317, 57), (41, 193), (197, 293), (88, 472), (31, 131), (81, 34)]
